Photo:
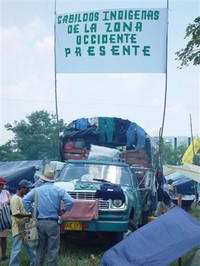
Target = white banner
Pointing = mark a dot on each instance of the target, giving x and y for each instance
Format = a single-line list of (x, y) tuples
[(112, 41)]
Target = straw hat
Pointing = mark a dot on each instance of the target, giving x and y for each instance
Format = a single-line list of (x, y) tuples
[(48, 176)]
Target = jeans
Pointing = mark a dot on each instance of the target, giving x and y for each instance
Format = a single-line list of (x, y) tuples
[(16, 247)]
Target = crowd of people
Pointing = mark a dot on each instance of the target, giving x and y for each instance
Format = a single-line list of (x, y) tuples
[(49, 199)]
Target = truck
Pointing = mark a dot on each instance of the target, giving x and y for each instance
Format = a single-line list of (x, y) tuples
[(109, 172)]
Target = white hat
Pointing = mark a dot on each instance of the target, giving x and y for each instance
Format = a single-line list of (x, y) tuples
[(48, 176)]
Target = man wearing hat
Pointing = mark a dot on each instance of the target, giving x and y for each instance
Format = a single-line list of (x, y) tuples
[(4, 198), (19, 215), (49, 202)]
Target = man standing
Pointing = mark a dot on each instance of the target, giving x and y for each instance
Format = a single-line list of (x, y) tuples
[(49, 202), (19, 214)]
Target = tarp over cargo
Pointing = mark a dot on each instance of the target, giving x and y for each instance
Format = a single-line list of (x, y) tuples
[(15, 171), (158, 243), (106, 131)]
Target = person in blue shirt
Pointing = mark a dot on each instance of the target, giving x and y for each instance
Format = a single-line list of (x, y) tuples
[(49, 210)]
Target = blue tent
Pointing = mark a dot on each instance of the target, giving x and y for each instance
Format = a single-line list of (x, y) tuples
[(158, 243), (15, 171), (184, 185)]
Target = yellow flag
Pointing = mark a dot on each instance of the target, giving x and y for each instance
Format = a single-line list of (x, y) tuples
[(191, 151)]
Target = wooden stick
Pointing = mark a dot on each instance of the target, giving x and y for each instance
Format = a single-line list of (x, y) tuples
[(93, 260), (179, 200), (179, 262)]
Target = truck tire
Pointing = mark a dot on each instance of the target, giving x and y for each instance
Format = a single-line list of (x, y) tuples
[(122, 235), (131, 228), (144, 218)]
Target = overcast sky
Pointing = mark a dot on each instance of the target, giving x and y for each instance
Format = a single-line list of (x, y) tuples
[(27, 81)]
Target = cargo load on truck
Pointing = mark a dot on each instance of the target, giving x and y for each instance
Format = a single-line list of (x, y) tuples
[(130, 138)]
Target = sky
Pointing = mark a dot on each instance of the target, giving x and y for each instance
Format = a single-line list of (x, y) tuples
[(27, 76)]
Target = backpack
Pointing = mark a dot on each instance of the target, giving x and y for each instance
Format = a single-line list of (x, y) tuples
[(110, 191)]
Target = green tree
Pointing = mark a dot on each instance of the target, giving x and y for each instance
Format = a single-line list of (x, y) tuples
[(196, 159), (35, 138), (170, 154), (8, 152), (191, 53), (173, 155)]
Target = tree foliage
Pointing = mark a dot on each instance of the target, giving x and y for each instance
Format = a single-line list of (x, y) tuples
[(173, 155), (191, 53), (35, 138), (8, 152), (168, 153)]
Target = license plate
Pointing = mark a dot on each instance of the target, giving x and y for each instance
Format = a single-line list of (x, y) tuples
[(74, 226)]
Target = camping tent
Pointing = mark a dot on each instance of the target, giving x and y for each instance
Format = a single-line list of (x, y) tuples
[(183, 185), (157, 243)]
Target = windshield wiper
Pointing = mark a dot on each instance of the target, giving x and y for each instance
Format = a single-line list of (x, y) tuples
[(102, 180)]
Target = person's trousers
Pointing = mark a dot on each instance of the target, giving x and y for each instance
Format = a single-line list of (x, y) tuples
[(17, 245), (49, 242)]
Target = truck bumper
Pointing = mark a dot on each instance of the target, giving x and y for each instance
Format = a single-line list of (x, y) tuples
[(95, 226)]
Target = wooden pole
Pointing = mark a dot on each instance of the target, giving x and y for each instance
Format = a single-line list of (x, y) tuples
[(93, 260), (55, 70), (179, 262), (179, 200), (165, 96)]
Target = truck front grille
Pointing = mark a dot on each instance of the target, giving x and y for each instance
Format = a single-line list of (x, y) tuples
[(85, 195)]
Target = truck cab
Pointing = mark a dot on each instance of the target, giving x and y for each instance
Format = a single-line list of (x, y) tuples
[(106, 196)]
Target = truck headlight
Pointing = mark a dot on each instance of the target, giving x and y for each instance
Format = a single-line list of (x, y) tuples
[(117, 203)]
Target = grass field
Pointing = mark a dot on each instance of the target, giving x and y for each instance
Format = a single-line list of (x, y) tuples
[(195, 211), (78, 253)]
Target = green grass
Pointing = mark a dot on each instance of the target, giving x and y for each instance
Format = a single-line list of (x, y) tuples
[(72, 253), (195, 212), (78, 253)]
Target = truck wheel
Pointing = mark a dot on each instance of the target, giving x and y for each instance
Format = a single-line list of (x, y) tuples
[(131, 228), (144, 218)]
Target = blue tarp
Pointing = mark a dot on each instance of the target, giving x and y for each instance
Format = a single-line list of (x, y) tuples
[(184, 185), (13, 172), (158, 243)]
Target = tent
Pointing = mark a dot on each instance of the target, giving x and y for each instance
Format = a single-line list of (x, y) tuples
[(15, 171), (189, 170), (183, 185), (157, 243)]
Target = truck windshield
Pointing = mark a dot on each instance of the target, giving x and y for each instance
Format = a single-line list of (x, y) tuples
[(90, 172)]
